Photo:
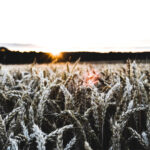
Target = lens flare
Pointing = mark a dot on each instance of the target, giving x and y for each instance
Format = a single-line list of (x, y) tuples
[(91, 78)]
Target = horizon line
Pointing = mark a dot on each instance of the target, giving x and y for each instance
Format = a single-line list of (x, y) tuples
[(27, 47)]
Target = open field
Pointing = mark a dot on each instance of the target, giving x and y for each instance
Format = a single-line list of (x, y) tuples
[(75, 106)]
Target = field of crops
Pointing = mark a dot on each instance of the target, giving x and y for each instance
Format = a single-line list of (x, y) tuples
[(75, 106)]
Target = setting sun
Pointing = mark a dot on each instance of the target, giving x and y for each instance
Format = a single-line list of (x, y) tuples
[(55, 53)]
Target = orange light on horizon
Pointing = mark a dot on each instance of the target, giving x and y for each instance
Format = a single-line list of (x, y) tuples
[(55, 53)]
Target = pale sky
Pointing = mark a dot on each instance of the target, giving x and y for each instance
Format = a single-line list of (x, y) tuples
[(75, 25)]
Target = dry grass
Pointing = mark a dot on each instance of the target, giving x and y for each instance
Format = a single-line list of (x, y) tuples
[(75, 107)]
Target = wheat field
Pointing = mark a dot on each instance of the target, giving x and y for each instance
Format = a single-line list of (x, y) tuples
[(80, 106)]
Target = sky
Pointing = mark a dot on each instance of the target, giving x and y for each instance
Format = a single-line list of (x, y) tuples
[(75, 25)]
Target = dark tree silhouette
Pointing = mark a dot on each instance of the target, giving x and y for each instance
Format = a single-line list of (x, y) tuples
[(16, 57)]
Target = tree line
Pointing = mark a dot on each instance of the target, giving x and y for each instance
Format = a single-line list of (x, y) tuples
[(15, 57)]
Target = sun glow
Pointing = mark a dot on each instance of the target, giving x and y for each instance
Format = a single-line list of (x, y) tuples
[(55, 56), (55, 53)]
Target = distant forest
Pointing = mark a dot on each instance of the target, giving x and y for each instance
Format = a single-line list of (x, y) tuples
[(15, 57)]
